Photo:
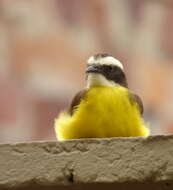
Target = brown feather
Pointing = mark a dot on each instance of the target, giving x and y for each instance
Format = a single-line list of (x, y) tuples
[(134, 98), (76, 101)]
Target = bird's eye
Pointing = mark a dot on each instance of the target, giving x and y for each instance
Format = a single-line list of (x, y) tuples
[(110, 68)]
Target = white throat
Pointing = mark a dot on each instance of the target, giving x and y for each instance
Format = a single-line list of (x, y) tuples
[(96, 79)]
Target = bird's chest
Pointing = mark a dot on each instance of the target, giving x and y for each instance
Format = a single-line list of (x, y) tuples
[(106, 100)]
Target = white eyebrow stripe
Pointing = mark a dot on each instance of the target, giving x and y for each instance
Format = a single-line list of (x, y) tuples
[(109, 60)]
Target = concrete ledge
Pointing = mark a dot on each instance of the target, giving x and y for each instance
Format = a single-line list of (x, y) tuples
[(123, 163)]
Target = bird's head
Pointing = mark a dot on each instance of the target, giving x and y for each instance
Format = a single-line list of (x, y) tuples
[(105, 70)]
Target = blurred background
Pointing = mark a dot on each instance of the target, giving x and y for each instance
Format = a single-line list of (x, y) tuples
[(44, 45)]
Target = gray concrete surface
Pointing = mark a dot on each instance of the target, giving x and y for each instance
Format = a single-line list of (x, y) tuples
[(122, 163)]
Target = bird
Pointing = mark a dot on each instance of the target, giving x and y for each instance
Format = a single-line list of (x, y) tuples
[(105, 108)]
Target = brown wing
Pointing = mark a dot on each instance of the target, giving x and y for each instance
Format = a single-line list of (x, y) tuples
[(76, 101), (134, 98)]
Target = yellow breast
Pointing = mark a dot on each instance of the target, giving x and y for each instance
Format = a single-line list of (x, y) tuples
[(104, 112)]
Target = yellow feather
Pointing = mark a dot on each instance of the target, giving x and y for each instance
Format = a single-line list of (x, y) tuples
[(104, 112)]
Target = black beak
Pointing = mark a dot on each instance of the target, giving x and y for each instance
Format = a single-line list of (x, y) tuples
[(93, 69)]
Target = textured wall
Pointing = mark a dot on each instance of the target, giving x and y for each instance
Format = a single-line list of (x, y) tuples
[(125, 163)]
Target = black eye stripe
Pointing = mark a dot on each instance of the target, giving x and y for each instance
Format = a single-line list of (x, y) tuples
[(108, 67), (112, 72)]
